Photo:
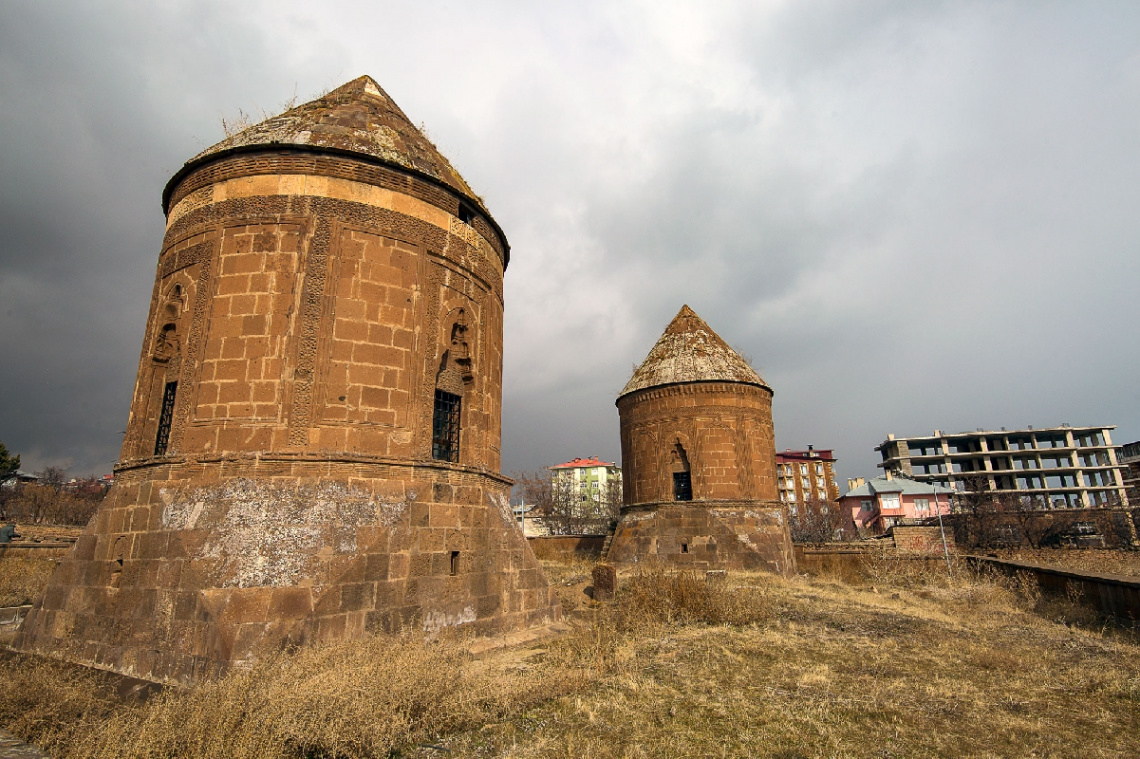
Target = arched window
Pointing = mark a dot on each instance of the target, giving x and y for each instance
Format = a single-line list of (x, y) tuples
[(682, 478), (455, 374)]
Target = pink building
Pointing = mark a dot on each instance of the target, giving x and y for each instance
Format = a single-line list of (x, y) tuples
[(881, 503)]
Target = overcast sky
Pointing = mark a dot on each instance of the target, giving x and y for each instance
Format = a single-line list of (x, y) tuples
[(907, 215)]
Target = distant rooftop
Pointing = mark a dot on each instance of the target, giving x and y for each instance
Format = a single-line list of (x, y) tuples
[(899, 485), (689, 351), (811, 454), (579, 463)]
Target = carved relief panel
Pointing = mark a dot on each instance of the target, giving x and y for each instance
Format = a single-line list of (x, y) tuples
[(167, 341)]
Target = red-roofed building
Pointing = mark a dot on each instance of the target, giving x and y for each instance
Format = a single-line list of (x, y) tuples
[(806, 476), (587, 492), (586, 463), (590, 477)]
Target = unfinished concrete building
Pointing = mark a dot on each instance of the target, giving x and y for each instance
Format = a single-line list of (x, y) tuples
[(699, 459), (1129, 457), (313, 444), (1065, 467)]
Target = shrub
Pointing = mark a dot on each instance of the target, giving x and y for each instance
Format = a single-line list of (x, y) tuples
[(22, 578), (364, 698)]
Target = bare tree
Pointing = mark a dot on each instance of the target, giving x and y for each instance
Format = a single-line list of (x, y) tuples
[(46, 504), (564, 507), (533, 489), (52, 476), (33, 504), (612, 497), (818, 520), (1039, 524), (984, 519)]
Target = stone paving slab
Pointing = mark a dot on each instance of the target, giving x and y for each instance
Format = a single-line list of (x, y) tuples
[(11, 748)]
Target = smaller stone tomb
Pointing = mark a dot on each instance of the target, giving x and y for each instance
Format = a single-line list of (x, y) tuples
[(699, 459)]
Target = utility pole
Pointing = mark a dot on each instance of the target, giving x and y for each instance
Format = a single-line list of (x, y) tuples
[(942, 529)]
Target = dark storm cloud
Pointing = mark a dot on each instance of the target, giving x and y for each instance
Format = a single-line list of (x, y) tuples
[(98, 113), (909, 215)]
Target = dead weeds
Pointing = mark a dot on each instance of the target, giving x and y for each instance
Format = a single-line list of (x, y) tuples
[(1100, 561), (925, 664), (22, 578)]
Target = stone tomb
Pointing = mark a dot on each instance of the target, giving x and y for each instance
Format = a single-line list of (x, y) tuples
[(699, 459), (313, 445)]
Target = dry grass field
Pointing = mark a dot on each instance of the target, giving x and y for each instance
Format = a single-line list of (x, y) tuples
[(1109, 562), (910, 664), (24, 577)]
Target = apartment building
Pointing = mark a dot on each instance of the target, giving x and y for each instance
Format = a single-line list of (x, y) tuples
[(1067, 467), (1129, 456), (806, 476), (588, 479)]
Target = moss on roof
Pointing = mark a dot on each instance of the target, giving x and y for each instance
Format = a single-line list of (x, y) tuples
[(357, 117), (689, 351)]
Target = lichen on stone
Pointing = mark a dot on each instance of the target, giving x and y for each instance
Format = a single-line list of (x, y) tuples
[(269, 533)]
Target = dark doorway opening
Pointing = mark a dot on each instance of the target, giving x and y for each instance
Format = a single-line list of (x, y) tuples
[(682, 486)]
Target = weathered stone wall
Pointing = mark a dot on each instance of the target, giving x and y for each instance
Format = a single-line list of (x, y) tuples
[(310, 314), (277, 482), (21, 551), (187, 571), (1111, 595), (923, 539), (567, 547), (742, 535), (724, 429)]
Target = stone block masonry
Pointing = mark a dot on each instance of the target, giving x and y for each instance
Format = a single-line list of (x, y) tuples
[(313, 448), (699, 459), (741, 536)]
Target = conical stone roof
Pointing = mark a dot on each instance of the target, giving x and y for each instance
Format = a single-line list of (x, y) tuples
[(689, 351), (357, 117)]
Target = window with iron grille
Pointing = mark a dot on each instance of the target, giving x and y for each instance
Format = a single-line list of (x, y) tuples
[(445, 427), (165, 418)]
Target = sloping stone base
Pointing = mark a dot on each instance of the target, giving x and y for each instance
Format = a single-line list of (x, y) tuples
[(749, 535), (185, 572)]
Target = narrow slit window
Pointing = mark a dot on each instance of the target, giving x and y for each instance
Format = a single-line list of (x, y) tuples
[(165, 418), (684, 548), (682, 486), (445, 427), (466, 215), (454, 563)]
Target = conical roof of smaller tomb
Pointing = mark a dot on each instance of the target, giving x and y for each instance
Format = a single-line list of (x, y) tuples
[(689, 351), (357, 117)]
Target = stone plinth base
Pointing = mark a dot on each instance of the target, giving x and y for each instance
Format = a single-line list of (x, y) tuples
[(705, 535), (190, 568)]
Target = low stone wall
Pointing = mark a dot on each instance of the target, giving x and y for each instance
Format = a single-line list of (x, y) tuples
[(34, 550), (922, 539), (1112, 595), (852, 562), (12, 616), (566, 547), (843, 564)]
